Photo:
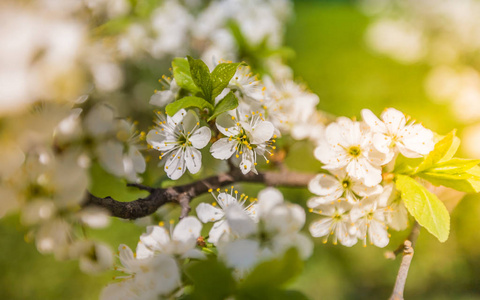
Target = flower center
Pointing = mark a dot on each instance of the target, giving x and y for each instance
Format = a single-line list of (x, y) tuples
[(354, 151), (183, 141), (346, 183), (337, 217)]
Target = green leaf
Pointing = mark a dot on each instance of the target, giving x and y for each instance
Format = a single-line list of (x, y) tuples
[(274, 273), (467, 181), (221, 76), (444, 150), (187, 102), (425, 207), (405, 165), (182, 75), (212, 280), (201, 77), (229, 102), (454, 166)]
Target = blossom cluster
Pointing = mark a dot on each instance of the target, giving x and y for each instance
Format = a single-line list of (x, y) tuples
[(244, 236), (62, 72), (266, 110), (438, 33), (352, 200)]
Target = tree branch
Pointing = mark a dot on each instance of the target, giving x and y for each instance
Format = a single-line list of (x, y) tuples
[(407, 249), (183, 194), (403, 271)]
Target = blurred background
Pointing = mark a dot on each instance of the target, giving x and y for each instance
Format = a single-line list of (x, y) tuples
[(353, 56)]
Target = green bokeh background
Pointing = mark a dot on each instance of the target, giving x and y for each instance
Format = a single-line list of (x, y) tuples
[(332, 58)]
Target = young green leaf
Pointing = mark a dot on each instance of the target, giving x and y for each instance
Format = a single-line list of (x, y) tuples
[(454, 166), (201, 77), (405, 165), (274, 273), (182, 75), (444, 150), (425, 207), (187, 102), (229, 102), (221, 76), (212, 280), (466, 181)]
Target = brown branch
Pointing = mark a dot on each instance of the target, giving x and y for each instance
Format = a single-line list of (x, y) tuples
[(183, 194), (407, 249)]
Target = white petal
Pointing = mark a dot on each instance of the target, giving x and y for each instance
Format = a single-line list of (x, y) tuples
[(156, 238), (262, 132), (321, 227), (175, 165), (239, 221), (189, 121), (223, 148), (378, 234), (193, 159), (162, 98), (375, 124), (246, 164), (226, 125), (143, 252), (139, 164), (111, 157), (195, 254), (241, 253), (323, 185), (160, 141), (382, 142), (394, 120), (200, 137), (209, 213), (217, 230), (99, 120), (177, 118), (187, 229), (268, 198)]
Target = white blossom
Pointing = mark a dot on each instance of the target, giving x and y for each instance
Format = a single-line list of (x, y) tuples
[(348, 144), (166, 95), (247, 84), (179, 240), (336, 222), (211, 213), (277, 230), (330, 188), (178, 139), (247, 136), (393, 133), (370, 221), (145, 278)]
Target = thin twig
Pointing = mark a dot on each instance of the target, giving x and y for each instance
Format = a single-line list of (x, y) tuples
[(183, 194), (407, 249), (412, 237), (403, 271)]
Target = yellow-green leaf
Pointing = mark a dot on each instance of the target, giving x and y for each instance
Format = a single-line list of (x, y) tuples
[(444, 150), (425, 207)]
